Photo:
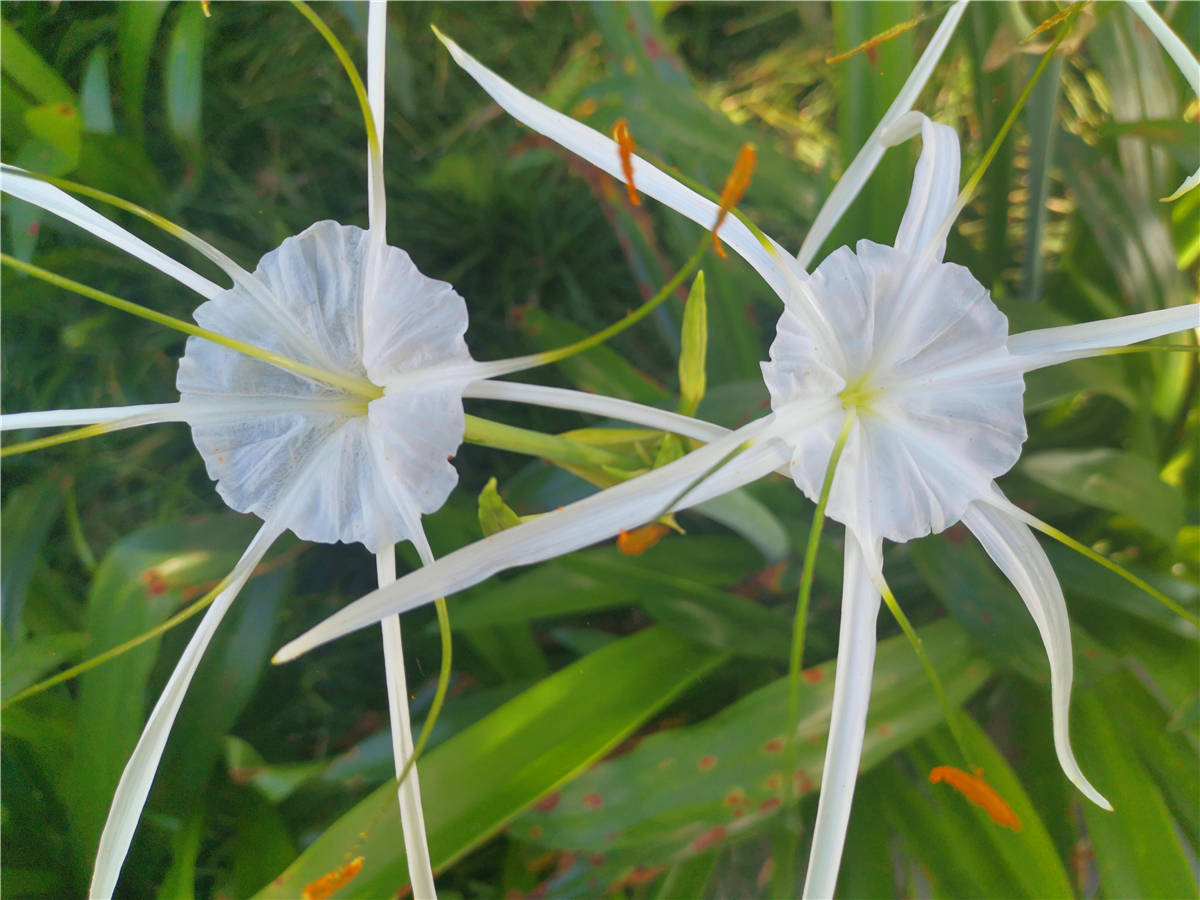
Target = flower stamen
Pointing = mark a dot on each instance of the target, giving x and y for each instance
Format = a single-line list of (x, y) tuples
[(979, 792), (735, 187), (328, 884), (621, 134)]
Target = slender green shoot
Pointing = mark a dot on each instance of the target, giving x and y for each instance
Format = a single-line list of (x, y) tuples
[(977, 176), (360, 90), (439, 696), (950, 711), (53, 440), (356, 386), (161, 628), (1116, 568)]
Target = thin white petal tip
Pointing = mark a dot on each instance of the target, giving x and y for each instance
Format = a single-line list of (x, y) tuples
[(1187, 185)]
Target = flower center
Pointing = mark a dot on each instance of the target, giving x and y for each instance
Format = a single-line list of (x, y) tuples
[(859, 394)]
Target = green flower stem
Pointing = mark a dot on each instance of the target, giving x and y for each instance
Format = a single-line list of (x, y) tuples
[(782, 884), (1116, 568), (360, 91), (166, 625), (439, 696), (53, 440), (948, 709), (355, 386)]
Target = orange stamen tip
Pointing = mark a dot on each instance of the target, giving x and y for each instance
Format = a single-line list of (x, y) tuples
[(979, 792), (638, 541), (328, 884), (621, 134), (735, 187)]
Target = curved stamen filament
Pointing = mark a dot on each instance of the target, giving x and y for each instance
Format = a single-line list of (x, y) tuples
[(356, 386)]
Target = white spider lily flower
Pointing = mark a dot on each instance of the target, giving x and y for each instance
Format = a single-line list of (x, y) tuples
[(912, 349), (331, 406)]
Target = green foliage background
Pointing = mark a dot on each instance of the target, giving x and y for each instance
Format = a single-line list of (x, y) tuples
[(243, 128)]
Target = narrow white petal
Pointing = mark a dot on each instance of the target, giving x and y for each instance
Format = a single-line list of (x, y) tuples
[(601, 151), (699, 476), (595, 404), (62, 204), (139, 773), (934, 187), (1013, 548), (376, 47), (1184, 59), (1048, 346), (848, 722), (868, 157), (412, 816), (119, 416)]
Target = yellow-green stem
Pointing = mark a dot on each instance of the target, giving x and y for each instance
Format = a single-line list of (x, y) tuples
[(67, 674), (439, 696), (948, 710), (360, 90), (1116, 568), (356, 386)]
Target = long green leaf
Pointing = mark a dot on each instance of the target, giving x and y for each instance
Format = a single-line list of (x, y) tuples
[(478, 780)]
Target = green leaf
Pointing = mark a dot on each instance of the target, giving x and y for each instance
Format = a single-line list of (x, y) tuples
[(23, 65), (183, 78), (478, 780), (26, 661), (494, 514), (1115, 480), (141, 580), (59, 127), (1137, 847), (223, 684), (137, 28), (1029, 856), (681, 792), (586, 582), (693, 348), (95, 101), (600, 370), (26, 520)]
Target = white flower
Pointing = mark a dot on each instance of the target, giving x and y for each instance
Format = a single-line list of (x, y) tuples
[(329, 404), (907, 351)]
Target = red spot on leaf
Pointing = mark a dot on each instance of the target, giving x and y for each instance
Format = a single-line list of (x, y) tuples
[(774, 745), (596, 859), (535, 831), (814, 675), (706, 763), (773, 782), (548, 802), (34, 228), (707, 839), (769, 804), (154, 581), (736, 797), (884, 729), (593, 800)]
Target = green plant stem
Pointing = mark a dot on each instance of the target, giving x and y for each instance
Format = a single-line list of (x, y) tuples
[(355, 386), (439, 696), (948, 710)]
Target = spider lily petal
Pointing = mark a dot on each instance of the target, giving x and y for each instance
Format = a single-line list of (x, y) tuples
[(1184, 59), (738, 458), (848, 719), (602, 152), (139, 772), (1013, 548), (934, 187), (117, 416), (62, 204), (868, 157), (1047, 346)]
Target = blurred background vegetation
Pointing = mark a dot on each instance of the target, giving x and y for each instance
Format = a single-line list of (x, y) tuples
[(667, 666)]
